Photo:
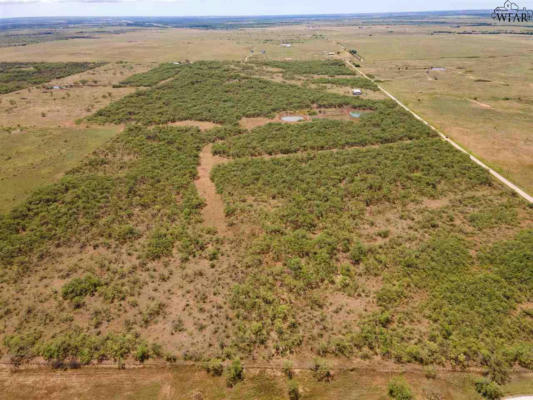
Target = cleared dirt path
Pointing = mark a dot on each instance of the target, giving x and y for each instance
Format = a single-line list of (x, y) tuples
[(499, 177), (213, 212)]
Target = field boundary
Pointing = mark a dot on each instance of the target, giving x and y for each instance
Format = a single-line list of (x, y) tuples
[(499, 177), (301, 366)]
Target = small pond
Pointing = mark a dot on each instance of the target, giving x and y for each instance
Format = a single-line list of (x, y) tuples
[(525, 397), (358, 114), (292, 118)]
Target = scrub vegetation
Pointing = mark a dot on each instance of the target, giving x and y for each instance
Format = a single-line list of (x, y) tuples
[(316, 67), (152, 77), (386, 125), (404, 250), (356, 82), (19, 75), (217, 92)]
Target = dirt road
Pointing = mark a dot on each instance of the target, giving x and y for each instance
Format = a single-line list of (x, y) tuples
[(503, 180)]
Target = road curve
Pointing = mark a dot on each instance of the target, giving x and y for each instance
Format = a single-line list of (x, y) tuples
[(503, 180)]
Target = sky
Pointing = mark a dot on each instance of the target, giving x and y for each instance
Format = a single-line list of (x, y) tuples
[(41, 8)]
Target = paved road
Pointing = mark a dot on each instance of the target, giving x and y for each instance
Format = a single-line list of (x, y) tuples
[(503, 180)]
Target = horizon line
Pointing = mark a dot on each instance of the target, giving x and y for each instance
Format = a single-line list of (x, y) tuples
[(251, 15)]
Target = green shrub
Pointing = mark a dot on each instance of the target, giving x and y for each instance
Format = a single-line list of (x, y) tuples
[(321, 370), (235, 373), (142, 353), (293, 390), (160, 245), (214, 367), (488, 390), (287, 369), (357, 252), (78, 288), (398, 389)]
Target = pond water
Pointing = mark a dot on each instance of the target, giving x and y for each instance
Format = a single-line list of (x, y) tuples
[(519, 398), (292, 118)]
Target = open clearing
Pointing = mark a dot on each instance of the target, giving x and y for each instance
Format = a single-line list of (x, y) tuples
[(482, 99), (75, 97), (213, 212), (33, 157)]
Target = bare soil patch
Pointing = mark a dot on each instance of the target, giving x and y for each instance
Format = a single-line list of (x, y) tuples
[(213, 212), (254, 122), (480, 104), (202, 125)]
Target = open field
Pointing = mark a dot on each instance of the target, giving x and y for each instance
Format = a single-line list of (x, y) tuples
[(76, 96), (191, 383), (34, 157), (178, 44), (16, 76), (482, 99)]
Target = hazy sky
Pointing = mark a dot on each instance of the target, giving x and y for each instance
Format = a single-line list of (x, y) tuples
[(32, 8)]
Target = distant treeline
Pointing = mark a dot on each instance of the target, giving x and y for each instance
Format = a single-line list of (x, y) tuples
[(19, 75)]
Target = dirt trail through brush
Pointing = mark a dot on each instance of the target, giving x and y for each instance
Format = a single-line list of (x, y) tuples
[(213, 212)]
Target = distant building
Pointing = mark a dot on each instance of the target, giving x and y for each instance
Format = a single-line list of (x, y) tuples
[(176, 63), (357, 92), (286, 45), (331, 53)]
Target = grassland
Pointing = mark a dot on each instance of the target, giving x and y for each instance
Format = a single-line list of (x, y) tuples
[(191, 383), (78, 95), (482, 99), (39, 134), (16, 76), (168, 45), (36, 157)]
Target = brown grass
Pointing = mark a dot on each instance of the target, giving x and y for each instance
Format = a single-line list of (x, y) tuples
[(42, 107)]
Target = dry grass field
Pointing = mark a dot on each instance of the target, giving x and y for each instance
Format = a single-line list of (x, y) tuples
[(482, 99), (156, 45), (39, 136), (77, 96), (33, 157), (189, 383)]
